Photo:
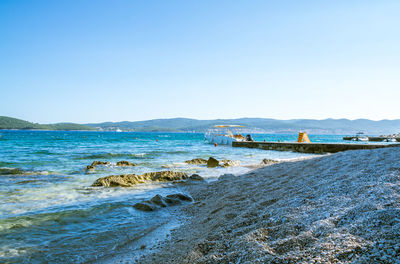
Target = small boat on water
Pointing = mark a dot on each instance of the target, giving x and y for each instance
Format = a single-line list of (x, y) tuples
[(360, 136), (225, 134)]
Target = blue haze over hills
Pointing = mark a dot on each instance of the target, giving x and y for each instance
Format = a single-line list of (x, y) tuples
[(265, 125)]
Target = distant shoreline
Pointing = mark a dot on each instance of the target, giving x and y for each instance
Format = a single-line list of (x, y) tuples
[(11, 129), (255, 125)]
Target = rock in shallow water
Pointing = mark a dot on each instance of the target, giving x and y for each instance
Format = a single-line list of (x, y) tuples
[(159, 201), (17, 171), (180, 196), (268, 162), (95, 163), (196, 177), (229, 163), (212, 163), (164, 176), (145, 206), (128, 180), (125, 180), (196, 161), (11, 171), (124, 163)]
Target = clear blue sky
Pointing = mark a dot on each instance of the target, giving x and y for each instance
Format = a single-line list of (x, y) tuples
[(92, 61)]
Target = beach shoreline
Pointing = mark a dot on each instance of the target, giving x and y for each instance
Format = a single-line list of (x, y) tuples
[(342, 207), (44, 177)]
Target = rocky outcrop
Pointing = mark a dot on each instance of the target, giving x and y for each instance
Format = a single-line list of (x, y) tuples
[(95, 163), (124, 163), (212, 163), (128, 180), (268, 162), (198, 161), (159, 201)]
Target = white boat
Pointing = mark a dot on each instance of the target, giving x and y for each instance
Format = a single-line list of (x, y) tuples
[(224, 134), (360, 136)]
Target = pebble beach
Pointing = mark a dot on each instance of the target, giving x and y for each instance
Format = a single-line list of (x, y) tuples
[(339, 208)]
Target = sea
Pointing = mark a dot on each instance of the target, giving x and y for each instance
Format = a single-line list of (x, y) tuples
[(49, 213)]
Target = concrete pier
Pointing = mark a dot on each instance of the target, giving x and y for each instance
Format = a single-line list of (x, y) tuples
[(318, 148)]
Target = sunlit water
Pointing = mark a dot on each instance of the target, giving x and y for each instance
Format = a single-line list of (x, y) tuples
[(49, 212)]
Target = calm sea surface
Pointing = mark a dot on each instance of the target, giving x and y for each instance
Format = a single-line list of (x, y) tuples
[(49, 212)]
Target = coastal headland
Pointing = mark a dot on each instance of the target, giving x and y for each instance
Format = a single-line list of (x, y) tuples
[(338, 208)]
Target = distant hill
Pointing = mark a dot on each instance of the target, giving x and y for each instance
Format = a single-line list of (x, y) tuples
[(14, 123), (265, 125), (262, 125)]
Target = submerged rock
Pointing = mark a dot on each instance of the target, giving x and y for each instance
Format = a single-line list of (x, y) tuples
[(198, 161), (95, 163), (18, 171), (145, 206), (268, 162), (196, 177), (124, 163), (27, 181), (129, 180), (212, 163), (229, 163), (172, 201), (159, 201), (11, 171), (180, 196)]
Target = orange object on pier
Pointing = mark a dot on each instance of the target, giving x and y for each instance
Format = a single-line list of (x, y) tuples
[(303, 138)]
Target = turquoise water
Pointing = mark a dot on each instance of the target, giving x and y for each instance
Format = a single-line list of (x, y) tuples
[(49, 212)]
